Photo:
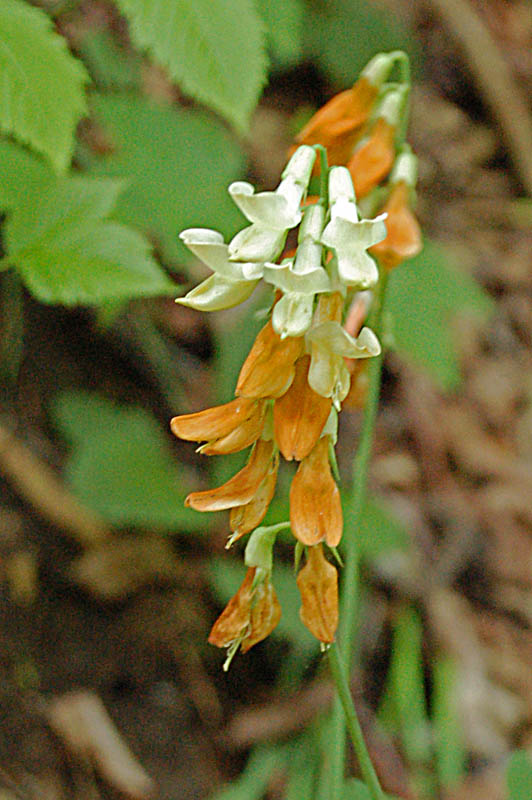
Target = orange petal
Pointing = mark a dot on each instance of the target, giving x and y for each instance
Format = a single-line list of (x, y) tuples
[(268, 370), (239, 489), (337, 124), (236, 616), (242, 436), (315, 508), (244, 519), (213, 423), (403, 238), (358, 390), (318, 585), (265, 615), (299, 415), (373, 160)]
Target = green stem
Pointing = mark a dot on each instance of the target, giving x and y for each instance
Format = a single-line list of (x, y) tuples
[(349, 598), (353, 725)]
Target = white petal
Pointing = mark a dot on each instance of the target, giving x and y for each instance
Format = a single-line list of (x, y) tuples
[(292, 314), (215, 294), (331, 336), (256, 244), (267, 209)]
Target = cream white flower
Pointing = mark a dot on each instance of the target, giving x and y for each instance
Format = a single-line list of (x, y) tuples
[(231, 283), (272, 214), (350, 237), (328, 344)]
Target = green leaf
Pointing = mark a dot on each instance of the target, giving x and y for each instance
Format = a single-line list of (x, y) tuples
[(343, 35), (41, 84), (213, 49), (178, 164), (424, 295), (121, 464), (21, 173), (284, 26), (67, 252), (519, 776), (111, 66), (448, 734), (404, 707)]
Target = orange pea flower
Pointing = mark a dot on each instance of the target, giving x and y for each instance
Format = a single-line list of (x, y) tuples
[(226, 429), (244, 519), (250, 616), (241, 488), (315, 508), (373, 159), (337, 124), (269, 369), (318, 586), (299, 415), (403, 238)]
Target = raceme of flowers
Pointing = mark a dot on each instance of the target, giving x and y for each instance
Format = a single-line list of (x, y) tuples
[(308, 358)]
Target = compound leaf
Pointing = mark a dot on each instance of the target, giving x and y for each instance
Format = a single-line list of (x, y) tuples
[(41, 84), (214, 49)]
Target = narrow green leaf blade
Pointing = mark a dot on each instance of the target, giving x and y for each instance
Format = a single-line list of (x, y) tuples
[(41, 84), (214, 49), (424, 295), (451, 754), (121, 464)]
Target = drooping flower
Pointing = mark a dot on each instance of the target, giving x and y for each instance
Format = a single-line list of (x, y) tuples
[(244, 519), (241, 488), (231, 282), (318, 586), (269, 368), (299, 415), (250, 616), (337, 124), (403, 238), (315, 508), (329, 345), (226, 429), (272, 214), (373, 158), (350, 237)]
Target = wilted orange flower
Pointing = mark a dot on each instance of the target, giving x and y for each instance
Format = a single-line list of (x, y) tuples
[(244, 519), (250, 616), (241, 488), (226, 429), (373, 159), (299, 415), (403, 238), (337, 124), (315, 508), (318, 586), (269, 369)]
